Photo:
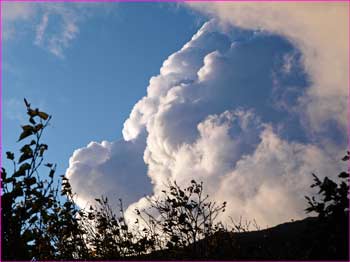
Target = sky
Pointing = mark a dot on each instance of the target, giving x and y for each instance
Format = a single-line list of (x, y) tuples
[(87, 86), (143, 93)]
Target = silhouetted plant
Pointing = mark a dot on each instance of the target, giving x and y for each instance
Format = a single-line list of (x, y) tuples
[(243, 226), (41, 219), (334, 197), (35, 222), (108, 235), (333, 213), (181, 217)]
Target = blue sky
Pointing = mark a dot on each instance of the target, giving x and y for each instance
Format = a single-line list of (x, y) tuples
[(143, 93), (90, 91)]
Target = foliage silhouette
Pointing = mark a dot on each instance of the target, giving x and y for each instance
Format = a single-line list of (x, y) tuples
[(335, 197), (182, 217), (35, 221), (40, 218), (333, 212), (108, 235)]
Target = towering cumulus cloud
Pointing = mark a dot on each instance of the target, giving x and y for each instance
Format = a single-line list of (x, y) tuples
[(235, 108), (321, 32)]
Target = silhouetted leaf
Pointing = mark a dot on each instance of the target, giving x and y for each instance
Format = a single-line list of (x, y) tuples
[(21, 170), (49, 165), (38, 127), (52, 173), (26, 103), (26, 149), (3, 173), (343, 175), (28, 236), (27, 128), (346, 158), (24, 157), (32, 112), (32, 121), (25, 134), (10, 155), (30, 181), (43, 115), (18, 191), (42, 149)]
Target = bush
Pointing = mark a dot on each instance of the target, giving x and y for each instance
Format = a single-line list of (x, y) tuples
[(182, 217)]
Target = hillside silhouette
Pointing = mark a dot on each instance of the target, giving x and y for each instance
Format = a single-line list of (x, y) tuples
[(307, 239)]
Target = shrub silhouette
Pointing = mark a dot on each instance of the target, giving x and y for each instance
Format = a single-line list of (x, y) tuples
[(181, 217), (175, 223), (108, 235)]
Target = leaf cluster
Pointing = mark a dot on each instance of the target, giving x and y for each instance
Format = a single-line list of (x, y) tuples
[(334, 202)]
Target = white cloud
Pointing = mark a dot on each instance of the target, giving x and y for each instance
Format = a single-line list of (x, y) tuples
[(270, 184), (12, 11), (66, 30), (56, 24), (267, 185), (115, 170), (320, 31), (40, 30), (13, 109), (228, 109)]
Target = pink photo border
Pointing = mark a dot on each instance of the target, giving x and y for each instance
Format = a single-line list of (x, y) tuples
[(159, 1)]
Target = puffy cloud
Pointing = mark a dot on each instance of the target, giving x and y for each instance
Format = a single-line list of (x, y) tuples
[(321, 32), (270, 184), (229, 109), (112, 169), (221, 142), (218, 76), (243, 162)]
